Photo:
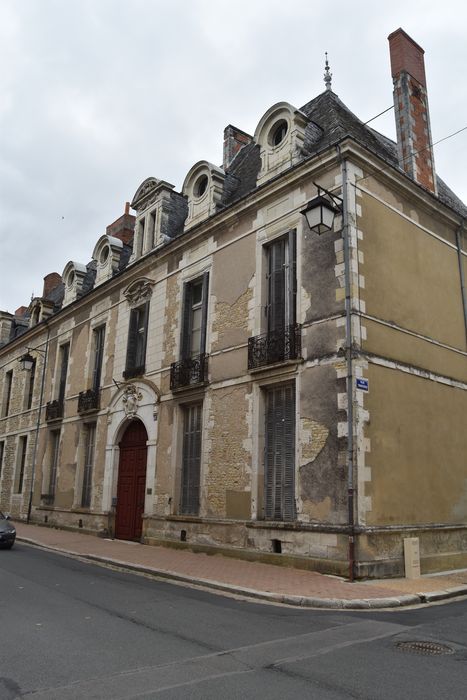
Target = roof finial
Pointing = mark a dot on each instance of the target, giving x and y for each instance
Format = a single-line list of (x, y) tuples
[(327, 73)]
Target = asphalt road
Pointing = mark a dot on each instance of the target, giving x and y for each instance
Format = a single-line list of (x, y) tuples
[(71, 629)]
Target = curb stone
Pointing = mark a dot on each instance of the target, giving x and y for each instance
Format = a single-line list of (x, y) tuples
[(442, 594), (287, 599)]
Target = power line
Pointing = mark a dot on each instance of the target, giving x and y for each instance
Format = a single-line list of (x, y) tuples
[(378, 115), (413, 153)]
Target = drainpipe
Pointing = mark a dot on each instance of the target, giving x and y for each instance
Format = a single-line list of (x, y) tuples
[(38, 424), (461, 273), (348, 355)]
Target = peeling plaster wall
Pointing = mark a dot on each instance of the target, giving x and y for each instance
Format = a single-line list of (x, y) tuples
[(228, 475), (322, 483)]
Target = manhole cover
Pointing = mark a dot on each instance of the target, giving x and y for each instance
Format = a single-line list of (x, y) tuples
[(428, 648)]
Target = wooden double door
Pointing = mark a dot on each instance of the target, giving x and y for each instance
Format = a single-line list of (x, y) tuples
[(131, 487)]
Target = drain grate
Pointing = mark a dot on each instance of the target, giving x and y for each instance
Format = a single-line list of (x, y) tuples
[(427, 648)]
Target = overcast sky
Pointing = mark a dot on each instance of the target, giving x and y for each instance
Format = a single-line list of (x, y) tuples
[(97, 95)]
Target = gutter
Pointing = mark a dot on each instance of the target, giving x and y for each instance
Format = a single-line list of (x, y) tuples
[(348, 355)]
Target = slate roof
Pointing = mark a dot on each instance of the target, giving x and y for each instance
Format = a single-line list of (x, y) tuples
[(330, 122), (335, 122)]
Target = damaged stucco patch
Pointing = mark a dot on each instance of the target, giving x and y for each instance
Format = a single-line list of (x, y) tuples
[(171, 320), (229, 469), (322, 486), (314, 436), (228, 319)]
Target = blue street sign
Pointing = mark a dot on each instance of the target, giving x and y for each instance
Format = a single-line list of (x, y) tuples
[(362, 384)]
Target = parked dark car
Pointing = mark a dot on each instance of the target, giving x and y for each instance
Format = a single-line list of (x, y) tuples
[(7, 532)]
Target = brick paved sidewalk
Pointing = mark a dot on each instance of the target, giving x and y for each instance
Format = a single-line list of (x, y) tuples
[(268, 581)]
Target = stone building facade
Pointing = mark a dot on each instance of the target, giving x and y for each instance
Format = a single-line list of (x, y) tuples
[(222, 377)]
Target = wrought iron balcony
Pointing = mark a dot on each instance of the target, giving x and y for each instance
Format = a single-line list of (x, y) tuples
[(47, 498), (275, 346), (54, 410), (131, 372), (193, 370), (88, 400)]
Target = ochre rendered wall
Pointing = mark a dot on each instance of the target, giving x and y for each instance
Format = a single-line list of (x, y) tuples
[(418, 453), (411, 278)]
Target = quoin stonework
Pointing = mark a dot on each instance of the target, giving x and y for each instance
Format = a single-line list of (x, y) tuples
[(224, 376)]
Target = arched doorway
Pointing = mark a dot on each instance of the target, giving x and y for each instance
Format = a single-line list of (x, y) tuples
[(131, 484)]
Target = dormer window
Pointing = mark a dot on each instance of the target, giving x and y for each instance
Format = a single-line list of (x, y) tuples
[(73, 275), (160, 213), (39, 309), (280, 135), (204, 189), (107, 254)]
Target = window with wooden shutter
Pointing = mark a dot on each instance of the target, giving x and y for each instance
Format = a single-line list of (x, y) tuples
[(99, 335), (8, 383), (23, 445), (282, 284), (90, 435), (30, 392), (282, 340), (64, 354), (192, 366), (195, 306), (191, 459), (279, 468), (54, 452), (137, 338)]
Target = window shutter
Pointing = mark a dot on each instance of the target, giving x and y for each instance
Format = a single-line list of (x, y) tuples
[(63, 371), (98, 356), (288, 508), (142, 335), (185, 350), (292, 278), (279, 471), (132, 339), (204, 320), (191, 459), (276, 291)]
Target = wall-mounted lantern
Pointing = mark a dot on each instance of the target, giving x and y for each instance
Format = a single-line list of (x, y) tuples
[(321, 210)]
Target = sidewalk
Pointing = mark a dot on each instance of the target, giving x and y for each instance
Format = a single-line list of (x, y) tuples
[(251, 579)]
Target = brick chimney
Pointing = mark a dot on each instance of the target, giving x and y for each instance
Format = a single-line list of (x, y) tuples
[(411, 110), (51, 281), (234, 140), (124, 227), (20, 311)]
